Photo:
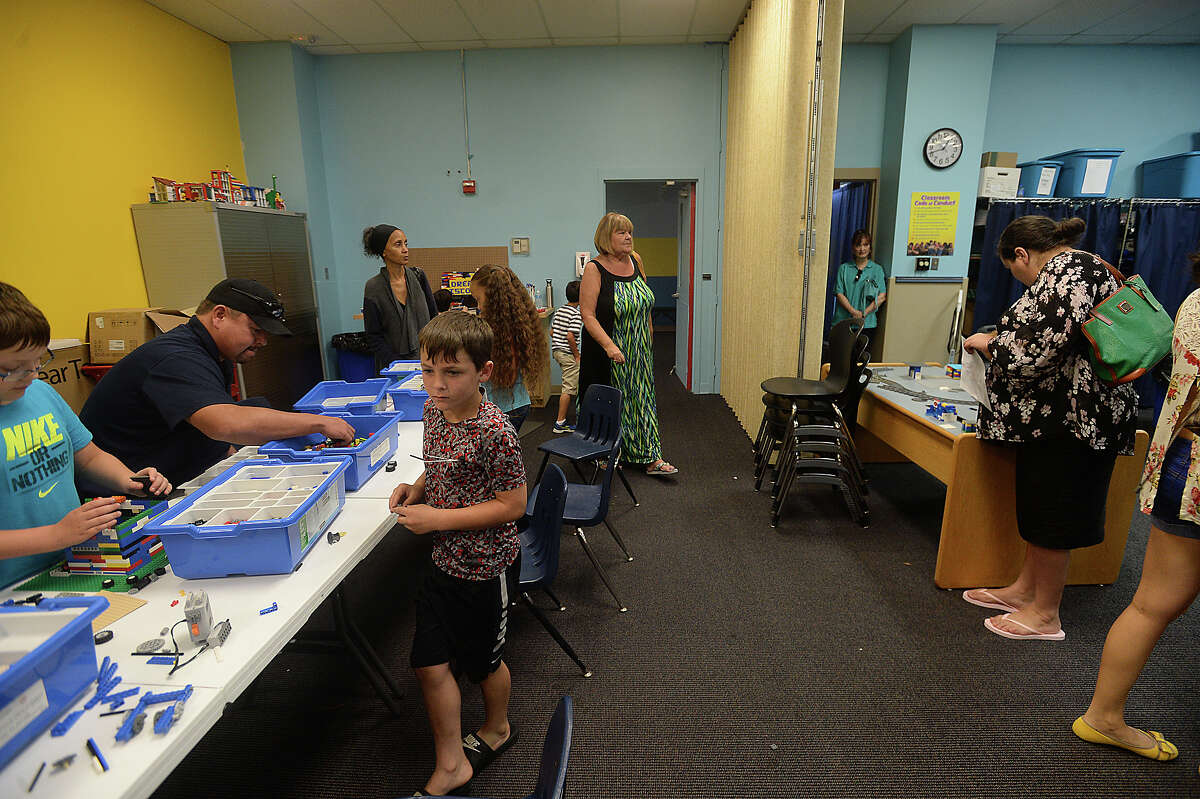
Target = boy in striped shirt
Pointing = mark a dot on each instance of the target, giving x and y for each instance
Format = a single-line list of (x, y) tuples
[(565, 331)]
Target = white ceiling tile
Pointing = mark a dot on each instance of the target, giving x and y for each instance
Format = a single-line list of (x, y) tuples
[(211, 20), (1009, 14), (853, 38), (585, 41), (459, 44), (863, 16), (504, 44), (716, 17), (332, 49), (1073, 16), (654, 40), (430, 20), (388, 47), (1087, 38), (658, 18), (359, 22), (505, 19), (1154, 38), (580, 19), (1181, 27), (278, 19), (921, 12), (879, 38), (1149, 16), (1020, 38), (705, 39)]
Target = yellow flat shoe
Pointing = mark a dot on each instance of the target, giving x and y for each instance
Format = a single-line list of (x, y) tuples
[(1162, 749)]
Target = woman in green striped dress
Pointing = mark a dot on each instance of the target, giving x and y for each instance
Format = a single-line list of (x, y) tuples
[(615, 302)]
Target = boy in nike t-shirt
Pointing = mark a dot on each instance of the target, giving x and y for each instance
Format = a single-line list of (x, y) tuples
[(43, 443)]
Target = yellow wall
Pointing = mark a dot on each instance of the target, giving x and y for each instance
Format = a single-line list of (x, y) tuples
[(98, 96), (661, 255)]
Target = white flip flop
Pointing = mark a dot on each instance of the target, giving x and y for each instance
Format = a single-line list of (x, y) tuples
[(1032, 635)]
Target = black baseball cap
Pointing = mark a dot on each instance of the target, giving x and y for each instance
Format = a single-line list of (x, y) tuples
[(253, 299)]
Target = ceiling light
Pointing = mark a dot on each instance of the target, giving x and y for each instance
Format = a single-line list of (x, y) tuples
[(302, 38)]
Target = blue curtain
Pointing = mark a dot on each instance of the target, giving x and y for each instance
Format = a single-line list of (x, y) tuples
[(851, 204), (1166, 234), (997, 289)]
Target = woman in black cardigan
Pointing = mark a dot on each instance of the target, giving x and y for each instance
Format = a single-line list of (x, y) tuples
[(397, 302)]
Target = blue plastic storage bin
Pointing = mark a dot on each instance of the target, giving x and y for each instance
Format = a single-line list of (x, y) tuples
[(365, 459), (400, 370), (1075, 165), (52, 662), (408, 397), (1036, 181), (1172, 176), (257, 517), (338, 396), (354, 367)]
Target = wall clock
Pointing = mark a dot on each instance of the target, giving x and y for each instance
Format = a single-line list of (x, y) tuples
[(943, 148)]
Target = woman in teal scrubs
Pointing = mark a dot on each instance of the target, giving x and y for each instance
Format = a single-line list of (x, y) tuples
[(860, 286)]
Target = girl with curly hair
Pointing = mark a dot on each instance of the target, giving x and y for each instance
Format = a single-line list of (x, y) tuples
[(520, 342)]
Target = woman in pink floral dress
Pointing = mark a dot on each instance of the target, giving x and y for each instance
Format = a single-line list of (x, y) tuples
[(1171, 571)]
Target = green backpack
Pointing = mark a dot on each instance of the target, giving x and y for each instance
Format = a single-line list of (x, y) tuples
[(1129, 331)]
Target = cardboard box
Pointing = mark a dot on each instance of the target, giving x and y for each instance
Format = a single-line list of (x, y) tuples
[(997, 182), (63, 373), (1003, 160), (116, 332)]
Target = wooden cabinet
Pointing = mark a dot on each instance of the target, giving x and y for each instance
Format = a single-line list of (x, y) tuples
[(187, 248)]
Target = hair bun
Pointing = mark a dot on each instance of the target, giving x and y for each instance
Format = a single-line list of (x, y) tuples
[(366, 240), (1069, 230)]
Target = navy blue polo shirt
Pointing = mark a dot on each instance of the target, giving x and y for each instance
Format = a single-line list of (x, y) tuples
[(139, 410)]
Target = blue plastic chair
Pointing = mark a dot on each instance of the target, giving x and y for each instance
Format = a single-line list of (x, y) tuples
[(539, 551), (587, 506), (597, 432), (556, 753)]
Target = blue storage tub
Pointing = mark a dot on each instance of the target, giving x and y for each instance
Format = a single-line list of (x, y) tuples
[(51, 661), (338, 396), (1075, 164), (400, 370), (408, 398), (1172, 176), (354, 367), (257, 517), (365, 459), (1036, 181)]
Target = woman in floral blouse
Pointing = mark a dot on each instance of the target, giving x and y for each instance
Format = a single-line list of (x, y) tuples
[(1067, 425), (1171, 570)]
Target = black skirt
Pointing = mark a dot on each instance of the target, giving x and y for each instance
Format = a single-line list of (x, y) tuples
[(1062, 488)]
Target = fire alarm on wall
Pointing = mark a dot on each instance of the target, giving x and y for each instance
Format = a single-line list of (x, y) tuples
[(468, 187)]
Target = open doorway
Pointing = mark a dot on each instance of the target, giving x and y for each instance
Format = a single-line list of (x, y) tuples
[(663, 213), (853, 209)]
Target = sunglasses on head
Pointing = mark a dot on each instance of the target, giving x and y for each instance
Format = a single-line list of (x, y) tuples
[(273, 307)]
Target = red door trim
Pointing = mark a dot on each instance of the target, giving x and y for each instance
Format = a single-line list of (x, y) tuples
[(691, 282)]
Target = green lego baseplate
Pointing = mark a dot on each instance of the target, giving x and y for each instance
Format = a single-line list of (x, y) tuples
[(87, 583)]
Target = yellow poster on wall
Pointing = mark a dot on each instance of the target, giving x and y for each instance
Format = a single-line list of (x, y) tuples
[(931, 222)]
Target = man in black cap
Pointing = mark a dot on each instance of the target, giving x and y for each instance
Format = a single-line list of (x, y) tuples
[(167, 403)]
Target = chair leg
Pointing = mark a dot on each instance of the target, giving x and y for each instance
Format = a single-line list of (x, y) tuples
[(557, 602), (629, 488), (620, 543), (578, 471), (600, 569), (555, 634), (542, 468)]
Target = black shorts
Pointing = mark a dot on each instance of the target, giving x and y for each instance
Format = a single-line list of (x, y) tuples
[(1062, 490), (462, 622)]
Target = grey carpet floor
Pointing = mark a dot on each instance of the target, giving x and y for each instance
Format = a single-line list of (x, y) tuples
[(817, 659)]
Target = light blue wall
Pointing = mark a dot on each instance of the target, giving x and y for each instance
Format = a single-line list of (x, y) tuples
[(947, 66), (547, 127), (281, 135), (862, 101), (1144, 99), (895, 104)]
